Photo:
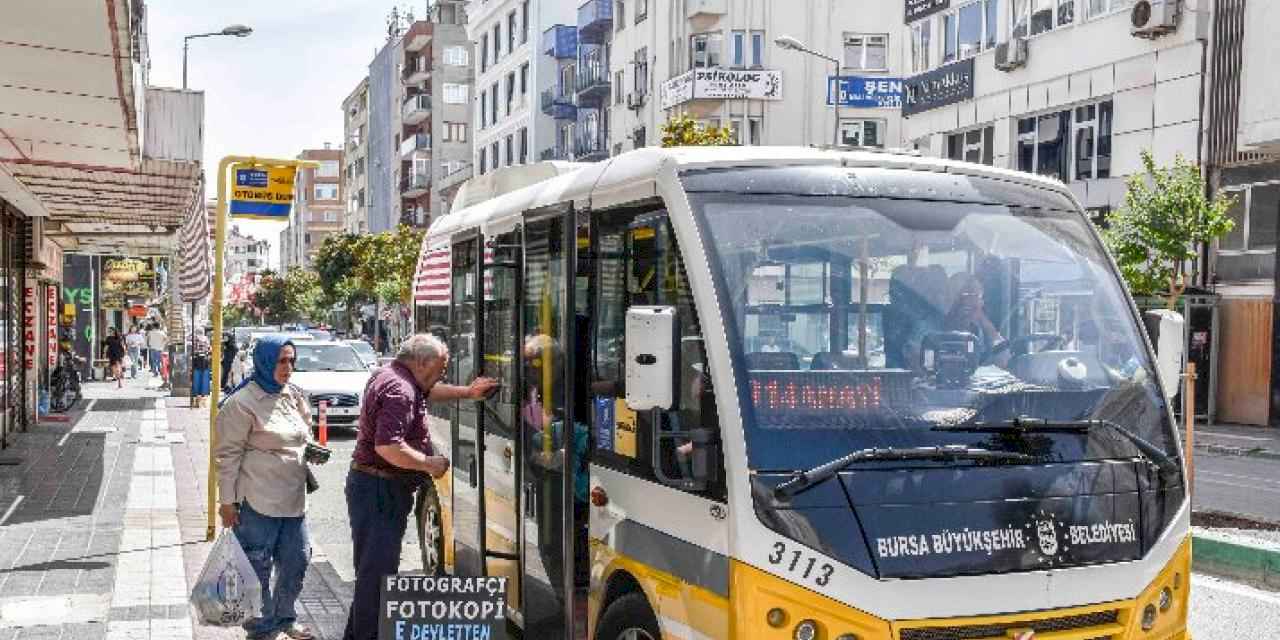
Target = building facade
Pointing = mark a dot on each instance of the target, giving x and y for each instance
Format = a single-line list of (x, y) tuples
[(386, 104), (355, 179), (414, 138), (318, 209), (510, 127), (452, 81), (244, 255)]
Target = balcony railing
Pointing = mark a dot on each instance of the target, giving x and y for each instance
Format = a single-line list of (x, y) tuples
[(416, 108), (415, 184), (554, 153), (595, 19), (417, 142), (593, 78), (560, 41), (589, 148), (558, 104), (696, 8), (417, 70)]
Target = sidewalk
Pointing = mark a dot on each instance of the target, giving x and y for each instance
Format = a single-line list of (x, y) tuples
[(1236, 440), (102, 524)]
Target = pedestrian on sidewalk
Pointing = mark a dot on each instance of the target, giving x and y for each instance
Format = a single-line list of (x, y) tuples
[(134, 342), (113, 346), (157, 342), (229, 351), (262, 432), (392, 459), (201, 376)]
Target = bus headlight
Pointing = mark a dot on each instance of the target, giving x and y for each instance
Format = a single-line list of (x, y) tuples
[(846, 636), (776, 617), (1148, 617), (1166, 599), (806, 630)]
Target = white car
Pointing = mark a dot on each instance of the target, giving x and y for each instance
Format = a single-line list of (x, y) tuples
[(365, 350), (333, 372)]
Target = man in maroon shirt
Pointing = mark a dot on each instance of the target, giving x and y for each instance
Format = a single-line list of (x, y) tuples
[(393, 452)]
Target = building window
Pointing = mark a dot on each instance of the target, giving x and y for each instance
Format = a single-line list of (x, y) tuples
[(511, 90), (638, 138), (862, 132), (456, 56), (920, 43), (706, 48), (482, 162), (326, 192), (455, 93), (455, 132), (511, 32), (524, 79), (969, 30), (484, 52), (866, 52), (975, 146), (1254, 213), (493, 153), (1045, 143), (331, 216), (1096, 8), (493, 104), (524, 145), (511, 149), (754, 127), (327, 169), (484, 108), (1035, 17), (757, 48), (619, 14), (738, 48), (1092, 141), (618, 77), (642, 10), (642, 71), (497, 42), (524, 22)]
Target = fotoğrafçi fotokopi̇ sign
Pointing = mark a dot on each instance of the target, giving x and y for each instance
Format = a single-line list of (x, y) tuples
[(262, 192), (418, 607), (938, 88)]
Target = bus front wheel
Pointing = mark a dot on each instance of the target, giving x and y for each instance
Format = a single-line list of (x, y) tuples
[(628, 618), (430, 533)]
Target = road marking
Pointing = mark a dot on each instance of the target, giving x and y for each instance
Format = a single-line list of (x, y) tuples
[(1228, 435), (1218, 584), (1238, 485), (1240, 477), (13, 507)]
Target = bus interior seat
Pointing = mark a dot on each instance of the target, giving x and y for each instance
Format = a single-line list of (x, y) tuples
[(836, 361), (772, 361), (915, 296)]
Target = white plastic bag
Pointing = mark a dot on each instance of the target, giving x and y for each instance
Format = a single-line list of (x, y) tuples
[(227, 593)]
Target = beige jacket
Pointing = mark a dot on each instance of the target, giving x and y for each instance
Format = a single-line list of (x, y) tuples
[(261, 438)]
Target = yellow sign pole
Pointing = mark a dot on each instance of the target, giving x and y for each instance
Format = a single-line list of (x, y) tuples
[(220, 239)]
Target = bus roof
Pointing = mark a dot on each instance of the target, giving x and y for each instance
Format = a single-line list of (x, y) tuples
[(615, 180)]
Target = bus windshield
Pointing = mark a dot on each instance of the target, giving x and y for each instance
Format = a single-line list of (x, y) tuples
[(871, 322)]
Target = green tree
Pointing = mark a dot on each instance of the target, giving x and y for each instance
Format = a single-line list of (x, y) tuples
[(241, 315), (336, 265), (294, 297), (270, 297), (683, 131), (386, 263), (1166, 216)]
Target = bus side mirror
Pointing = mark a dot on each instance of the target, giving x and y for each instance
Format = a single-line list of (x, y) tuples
[(1165, 327), (651, 357)]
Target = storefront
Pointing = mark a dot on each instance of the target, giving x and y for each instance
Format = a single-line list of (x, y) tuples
[(14, 400)]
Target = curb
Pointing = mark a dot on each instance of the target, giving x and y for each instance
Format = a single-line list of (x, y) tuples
[(1230, 557), (1226, 450)]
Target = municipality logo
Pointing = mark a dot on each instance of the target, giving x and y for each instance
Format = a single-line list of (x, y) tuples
[(1047, 536)]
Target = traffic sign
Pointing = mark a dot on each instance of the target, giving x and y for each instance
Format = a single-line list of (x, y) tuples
[(264, 193)]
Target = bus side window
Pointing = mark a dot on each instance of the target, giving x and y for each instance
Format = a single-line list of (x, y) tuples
[(638, 262)]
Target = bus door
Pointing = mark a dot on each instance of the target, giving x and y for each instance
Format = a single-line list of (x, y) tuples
[(499, 418), (548, 465), (467, 487)]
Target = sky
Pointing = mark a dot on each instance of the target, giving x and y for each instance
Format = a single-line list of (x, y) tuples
[(277, 91)]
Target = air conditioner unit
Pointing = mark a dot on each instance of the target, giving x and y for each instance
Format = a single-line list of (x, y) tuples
[(635, 100), (1012, 54), (1152, 18)]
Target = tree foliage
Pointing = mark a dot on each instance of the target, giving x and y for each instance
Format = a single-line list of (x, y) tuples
[(239, 315), (293, 297), (1166, 216), (683, 131)]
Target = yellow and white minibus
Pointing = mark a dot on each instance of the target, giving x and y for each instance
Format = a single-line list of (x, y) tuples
[(770, 392)]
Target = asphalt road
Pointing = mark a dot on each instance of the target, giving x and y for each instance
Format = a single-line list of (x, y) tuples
[(1222, 610), (1237, 484)]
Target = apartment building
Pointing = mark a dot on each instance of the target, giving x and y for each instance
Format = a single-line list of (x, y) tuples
[(317, 210), (355, 179), (451, 83), (387, 105), (509, 126), (244, 255)]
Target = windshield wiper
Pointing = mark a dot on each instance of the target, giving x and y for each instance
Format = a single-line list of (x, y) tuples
[(1024, 424), (803, 480)]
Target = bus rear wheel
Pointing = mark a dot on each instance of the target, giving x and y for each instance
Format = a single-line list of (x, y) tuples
[(629, 618), (430, 533)]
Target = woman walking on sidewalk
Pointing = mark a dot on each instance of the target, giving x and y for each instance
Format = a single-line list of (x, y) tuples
[(134, 341), (200, 364), (262, 432), (114, 347)]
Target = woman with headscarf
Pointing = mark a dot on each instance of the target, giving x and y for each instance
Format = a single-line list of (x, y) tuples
[(262, 433)]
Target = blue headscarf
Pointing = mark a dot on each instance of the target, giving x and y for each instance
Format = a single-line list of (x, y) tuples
[(266, 352)]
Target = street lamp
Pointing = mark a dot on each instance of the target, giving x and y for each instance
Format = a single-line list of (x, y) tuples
[(787, 42), (237, 30)]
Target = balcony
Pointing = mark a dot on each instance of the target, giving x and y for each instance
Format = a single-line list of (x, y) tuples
[(561, 42), (588, 148), (595, 21), (558, 104), (417, 70), (455, 177), (418, 36), (554, 153), (413, 185), (416, 109), (699, 8), (593, 78), (416, 143)]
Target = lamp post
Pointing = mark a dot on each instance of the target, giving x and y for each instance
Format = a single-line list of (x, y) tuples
[(787, 42), (237, 30)]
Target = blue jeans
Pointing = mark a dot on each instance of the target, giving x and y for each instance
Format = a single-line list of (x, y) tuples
[(200, 382), (283, 543), (135, 357), (155, 360), (378, 510)]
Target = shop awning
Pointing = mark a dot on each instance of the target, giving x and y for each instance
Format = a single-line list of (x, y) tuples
[(195, 270)]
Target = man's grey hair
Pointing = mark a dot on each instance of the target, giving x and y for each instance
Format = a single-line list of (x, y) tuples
[(421, 348)]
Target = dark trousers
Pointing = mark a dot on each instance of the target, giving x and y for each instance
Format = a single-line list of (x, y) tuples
[(378, 510)]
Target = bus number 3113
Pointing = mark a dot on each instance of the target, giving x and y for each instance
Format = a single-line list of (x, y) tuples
[(796, 562)]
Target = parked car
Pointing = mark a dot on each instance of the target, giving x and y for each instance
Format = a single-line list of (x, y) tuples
[(365, 350), (334, 372), (320, 334)]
